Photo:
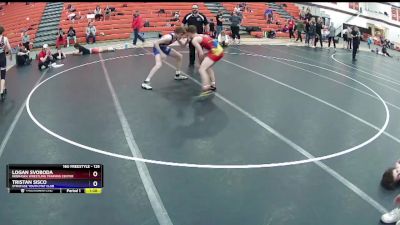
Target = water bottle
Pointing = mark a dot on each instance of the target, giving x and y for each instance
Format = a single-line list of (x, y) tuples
[(126, 45)]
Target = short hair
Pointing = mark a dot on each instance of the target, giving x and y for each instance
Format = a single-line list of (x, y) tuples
[(1, 29), (191, 29), (180, 30), (388, 181), (77, 45)]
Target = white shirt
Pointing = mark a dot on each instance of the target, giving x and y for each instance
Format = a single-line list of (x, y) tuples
[(222, 38), (4, 44)]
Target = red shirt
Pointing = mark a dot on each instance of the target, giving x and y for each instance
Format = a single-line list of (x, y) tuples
[(42, 54), (137, 22), (291, 24)]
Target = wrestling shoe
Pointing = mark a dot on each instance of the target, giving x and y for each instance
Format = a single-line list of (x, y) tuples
[(204, 95), (392, 216), (180, 77), (146, 85)]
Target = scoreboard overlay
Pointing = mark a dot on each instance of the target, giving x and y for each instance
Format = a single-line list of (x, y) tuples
[(55, 178)]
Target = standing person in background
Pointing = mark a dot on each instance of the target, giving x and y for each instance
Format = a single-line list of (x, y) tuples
[(137, 24), (331, 37), (370, 41), (355, 34), (311, 32), (307, 30), (291, 28), (212, 28), (235, 25), (26, 40), (198, 20), (344, 35), (308, 14), (299, 28), (318, 32), (219, 23), (302, 14), (4, 48), (349, 31)]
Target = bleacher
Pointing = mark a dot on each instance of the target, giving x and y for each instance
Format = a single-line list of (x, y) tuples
[(291, 8), (14, 19), (119, 26), (256, 19)]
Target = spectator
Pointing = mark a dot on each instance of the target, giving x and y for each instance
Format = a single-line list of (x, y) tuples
[(71, 8), (269, 15), (344, 35), (161, 11), (72, 17), (137, 24), (311, 31), (318, 32), (307, 30), (235, 24), (308, 14), (200, 21), (91, 33), (384, 51), (355, 34), (147, 23), (212, 28), (291, 28), (331, 36), (107, 12), (97, 13), (302, 14), (299, 28), (236, 9), (284, 29), (219, 22), (23, 56), (175, 17), (46, 59), (349, 37), (71, 34), (25, 40), (60, 41), (370, 41), (223, 39)]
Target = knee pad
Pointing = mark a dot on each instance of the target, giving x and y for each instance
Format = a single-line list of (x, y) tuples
[(3, 74)]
